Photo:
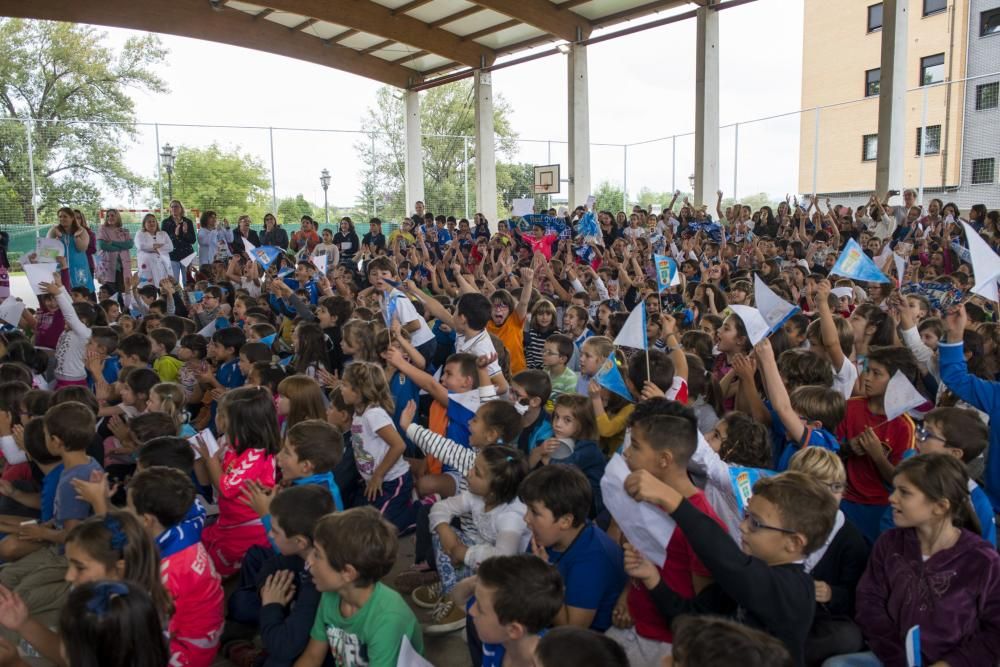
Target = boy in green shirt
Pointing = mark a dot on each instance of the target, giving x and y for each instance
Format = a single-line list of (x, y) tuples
[(359, 620), (557, 352)]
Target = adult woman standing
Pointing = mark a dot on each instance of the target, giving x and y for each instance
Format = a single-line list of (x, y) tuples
[(243, 231), (75, 241), (180, 229), (81, 220), (213, 241), (114, 244), (154, 251), (274, 234), (347, 240)]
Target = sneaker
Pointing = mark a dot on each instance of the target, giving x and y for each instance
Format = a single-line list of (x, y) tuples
[(427, 596), (446, 617), (412, 579)]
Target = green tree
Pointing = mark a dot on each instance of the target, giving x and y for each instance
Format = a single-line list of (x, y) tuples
[(447, 114), (608, 197), (514, 180), (229, 182), (291, 210), (51, 75)]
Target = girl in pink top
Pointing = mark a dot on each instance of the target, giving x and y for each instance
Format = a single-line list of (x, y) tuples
[(249, 421)]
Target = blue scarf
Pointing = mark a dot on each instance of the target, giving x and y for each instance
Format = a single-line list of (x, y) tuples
[(185, 534)]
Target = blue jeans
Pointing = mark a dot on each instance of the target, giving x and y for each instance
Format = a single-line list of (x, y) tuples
[(177, 271)]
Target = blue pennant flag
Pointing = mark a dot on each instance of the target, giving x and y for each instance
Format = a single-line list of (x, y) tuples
[(585, 253), (666, 272), (743, 480), (269, 339), (265, 255), (853, 263), (610, 377), (913, 657), (389, 309), (588, 225)]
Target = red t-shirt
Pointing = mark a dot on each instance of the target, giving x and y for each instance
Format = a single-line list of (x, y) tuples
[(237, 469), (865, 485), (676, 573), (196, 590)]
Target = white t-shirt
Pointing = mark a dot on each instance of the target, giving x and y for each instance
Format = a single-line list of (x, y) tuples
[(370, 448), (477, 346), (406, 313), (844, 379)]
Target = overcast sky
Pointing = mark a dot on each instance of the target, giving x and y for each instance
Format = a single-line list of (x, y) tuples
[(641, 88)]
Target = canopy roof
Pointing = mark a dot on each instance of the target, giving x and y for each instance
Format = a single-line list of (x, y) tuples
[(403, 43)]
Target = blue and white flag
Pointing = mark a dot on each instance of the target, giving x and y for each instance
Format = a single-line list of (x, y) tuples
[(585, 253), (772, 307), (742, 480), (633, 334), (389, 304), (588, 225), (265, 255), (756, 326), (610, 377), (913, 657), (666, 272), (853, 263), (962, 252)]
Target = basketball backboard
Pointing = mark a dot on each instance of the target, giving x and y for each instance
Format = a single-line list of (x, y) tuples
[(547, 179)]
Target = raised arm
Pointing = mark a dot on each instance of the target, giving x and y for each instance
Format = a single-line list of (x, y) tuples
[(777, 392)]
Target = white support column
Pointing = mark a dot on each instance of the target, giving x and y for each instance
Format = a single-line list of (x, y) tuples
[(892, 98), (486, 165), (579, 125), (706, 119), (414, 167)]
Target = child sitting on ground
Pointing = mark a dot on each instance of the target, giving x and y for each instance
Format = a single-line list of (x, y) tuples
[(516, 598), (764, 584), (282, 599), (357, 615)]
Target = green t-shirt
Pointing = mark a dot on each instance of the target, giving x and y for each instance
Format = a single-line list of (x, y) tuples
[(372, 636), (563, 384)]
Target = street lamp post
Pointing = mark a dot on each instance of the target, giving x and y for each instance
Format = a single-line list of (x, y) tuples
[(324, 180), (691, 182), (167, 156)]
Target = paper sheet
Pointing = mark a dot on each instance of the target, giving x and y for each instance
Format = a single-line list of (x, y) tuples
[(47, 250), (320, 261), (647, 528), (523, 207), (186, 262), (208, 438), (591, 200), (40, 273), (408, 656), (11, 310)]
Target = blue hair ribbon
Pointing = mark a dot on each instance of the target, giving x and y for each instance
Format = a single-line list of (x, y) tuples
[(119, 540), (104, 593)]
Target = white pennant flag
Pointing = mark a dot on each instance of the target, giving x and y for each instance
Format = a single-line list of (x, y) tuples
[(755, 324), (901, 397), (186, 262), (248, 247), (985, 264), (633, 334), (209, 329), (647, 528), (320, 261), (772, 307)]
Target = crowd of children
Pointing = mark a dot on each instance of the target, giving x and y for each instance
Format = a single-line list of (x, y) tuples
[(220, 460)]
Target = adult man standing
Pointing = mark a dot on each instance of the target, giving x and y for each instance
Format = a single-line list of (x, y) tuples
[(180, 229)]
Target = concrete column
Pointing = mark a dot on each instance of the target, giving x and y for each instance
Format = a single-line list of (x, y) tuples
[(414, 168), (892, 98), (486, 164), (706, 118), (579, 125)]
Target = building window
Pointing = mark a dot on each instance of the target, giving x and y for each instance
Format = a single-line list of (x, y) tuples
[(872, 79), (987, 95), (869, 147), (932, 145), (932, 69), (875, 17), (989, 23), (982, 171), (934, 6)]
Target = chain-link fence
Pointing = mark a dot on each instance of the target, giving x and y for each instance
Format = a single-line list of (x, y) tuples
[(950, 149)]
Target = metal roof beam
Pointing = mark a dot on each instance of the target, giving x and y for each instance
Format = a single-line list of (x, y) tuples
[(543, 15)]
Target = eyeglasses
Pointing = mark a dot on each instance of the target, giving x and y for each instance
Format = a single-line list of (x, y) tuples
[(923, 435), (757, 525)]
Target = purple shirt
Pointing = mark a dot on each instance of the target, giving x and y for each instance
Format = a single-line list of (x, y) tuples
[(954, 596)]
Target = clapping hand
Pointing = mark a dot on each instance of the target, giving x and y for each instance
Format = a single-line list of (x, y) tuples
[(278, 588)]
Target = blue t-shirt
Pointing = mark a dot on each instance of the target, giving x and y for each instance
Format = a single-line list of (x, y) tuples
[(49, 485), (66, 506), (229, 375), (112, 366), (593, 572), (493, 653), (812, 437), (403, 390)]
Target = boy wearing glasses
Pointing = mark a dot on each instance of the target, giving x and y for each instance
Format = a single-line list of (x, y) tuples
[(662, 445), (761, 582), (556, 354)]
